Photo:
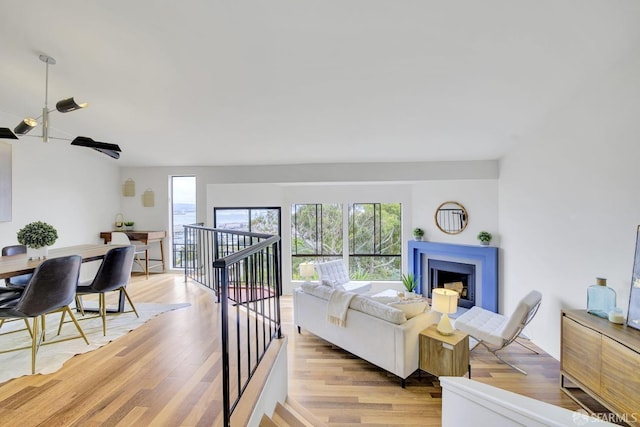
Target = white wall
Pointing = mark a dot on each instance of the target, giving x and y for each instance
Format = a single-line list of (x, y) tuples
[(74, 189), (479, 197), (569, 205), (420, 187)]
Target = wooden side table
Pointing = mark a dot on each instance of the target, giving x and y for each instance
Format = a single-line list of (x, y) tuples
[(444, 354)]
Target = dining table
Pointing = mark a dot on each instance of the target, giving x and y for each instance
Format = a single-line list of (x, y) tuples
[(16, 265)]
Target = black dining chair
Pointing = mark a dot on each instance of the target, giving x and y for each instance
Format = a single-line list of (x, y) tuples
[(17, 282), (113, 275), (51, 289)]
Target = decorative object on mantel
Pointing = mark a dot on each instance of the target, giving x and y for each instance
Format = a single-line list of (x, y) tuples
[(601, 299), (37, 237), (485, 238), (451, 217), (418, 233), (445, 301), (633, 314), (129, 189), (147, 198), (119, 222), (62, 106)]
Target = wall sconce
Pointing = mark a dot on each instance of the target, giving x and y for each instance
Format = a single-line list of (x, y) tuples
[(147, 198), (129, 189), (445, 301)]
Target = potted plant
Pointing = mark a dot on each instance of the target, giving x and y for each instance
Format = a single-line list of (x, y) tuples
[(410, 283), (129, 225), (37, 237), (418, 233), (484, 237)]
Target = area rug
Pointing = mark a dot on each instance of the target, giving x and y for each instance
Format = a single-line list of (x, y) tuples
[(50, 358)]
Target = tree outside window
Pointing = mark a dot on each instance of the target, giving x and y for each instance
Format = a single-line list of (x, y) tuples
[(374, 233), (316, 234), (375, 241)]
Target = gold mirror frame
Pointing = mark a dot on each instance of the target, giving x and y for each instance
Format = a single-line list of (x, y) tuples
[(451, 217)]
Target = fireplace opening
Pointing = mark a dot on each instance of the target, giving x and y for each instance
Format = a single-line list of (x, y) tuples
[(454, 275)]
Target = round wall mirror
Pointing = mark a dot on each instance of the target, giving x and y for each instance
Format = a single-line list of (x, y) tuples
[(451, 217)]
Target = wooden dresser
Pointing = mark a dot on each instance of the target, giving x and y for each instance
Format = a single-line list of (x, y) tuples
[(601, 359)]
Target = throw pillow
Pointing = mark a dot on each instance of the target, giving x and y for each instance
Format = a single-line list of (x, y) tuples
[(410, 308), (381, 311), (385, 299), (317, 290)]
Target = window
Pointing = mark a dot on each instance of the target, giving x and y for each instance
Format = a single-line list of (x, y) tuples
[(374, 238), (256, 220), (375, 241), (316, 234), (183, 211)]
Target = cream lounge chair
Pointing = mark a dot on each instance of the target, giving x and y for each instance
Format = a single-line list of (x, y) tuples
[(496, 331)]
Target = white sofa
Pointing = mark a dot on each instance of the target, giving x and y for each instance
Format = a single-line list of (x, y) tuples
[(375, 332)]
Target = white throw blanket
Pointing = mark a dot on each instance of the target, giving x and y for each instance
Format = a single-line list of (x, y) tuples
[(338, 306)]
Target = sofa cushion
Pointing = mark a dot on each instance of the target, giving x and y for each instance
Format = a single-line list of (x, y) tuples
[(359, 303), (385, 297), (376, 309), (410, 308), (355, 287), (317, 290)]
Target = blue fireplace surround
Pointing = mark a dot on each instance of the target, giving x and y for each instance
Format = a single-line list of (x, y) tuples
[(484, 257)]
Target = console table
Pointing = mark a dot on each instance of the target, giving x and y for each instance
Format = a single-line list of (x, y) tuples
[(601, 359), (145, 237)]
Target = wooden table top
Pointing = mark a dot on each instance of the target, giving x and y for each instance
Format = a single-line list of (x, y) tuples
[(140, 235), (16, 265)]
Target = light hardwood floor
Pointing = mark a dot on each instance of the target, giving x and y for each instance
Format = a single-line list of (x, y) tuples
[(167, 373)]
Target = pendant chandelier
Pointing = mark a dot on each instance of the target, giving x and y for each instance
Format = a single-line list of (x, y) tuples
[(62, 106)]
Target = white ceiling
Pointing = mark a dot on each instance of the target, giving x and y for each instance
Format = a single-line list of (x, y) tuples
[(202, 82)]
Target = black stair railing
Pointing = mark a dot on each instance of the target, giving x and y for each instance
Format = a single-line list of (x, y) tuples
[(243, 269)]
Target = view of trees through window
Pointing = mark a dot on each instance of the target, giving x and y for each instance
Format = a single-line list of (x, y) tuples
[(316, 234), (375, 241), (374, 238)]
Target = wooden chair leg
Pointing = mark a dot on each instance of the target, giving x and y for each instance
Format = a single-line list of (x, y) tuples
[(44, 328), (79, 305), (26, 322), (75, 322), (34, 344), (103, 313), (64, 312), (126, 294)]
